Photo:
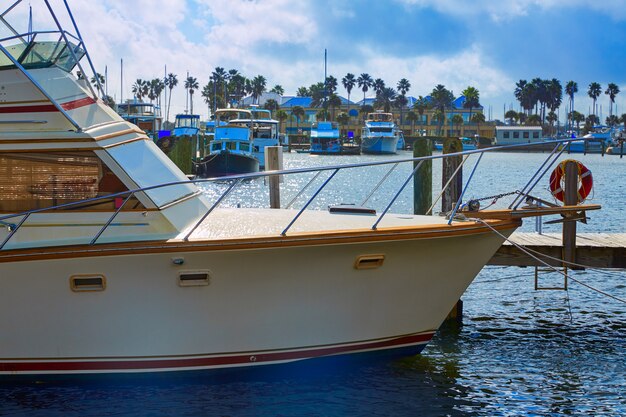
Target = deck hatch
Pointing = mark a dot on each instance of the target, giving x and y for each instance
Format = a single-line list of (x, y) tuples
[(87, 283), (193, 278), (369, 261)]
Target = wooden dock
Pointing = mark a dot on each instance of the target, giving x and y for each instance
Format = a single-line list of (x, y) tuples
[(599, 250)]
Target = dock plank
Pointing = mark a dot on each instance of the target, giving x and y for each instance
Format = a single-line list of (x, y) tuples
[(600, 250)]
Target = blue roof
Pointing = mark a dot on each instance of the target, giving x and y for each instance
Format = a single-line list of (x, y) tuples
[(298, 101)]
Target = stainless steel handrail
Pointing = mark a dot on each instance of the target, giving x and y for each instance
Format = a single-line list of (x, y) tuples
[(238, 178)]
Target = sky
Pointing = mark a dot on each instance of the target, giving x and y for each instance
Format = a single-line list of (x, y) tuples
[(486, 44)]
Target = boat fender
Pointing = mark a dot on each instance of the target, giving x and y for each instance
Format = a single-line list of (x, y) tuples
[(557, 181)]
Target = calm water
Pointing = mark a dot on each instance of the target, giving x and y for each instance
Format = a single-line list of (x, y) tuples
[(518, 352)]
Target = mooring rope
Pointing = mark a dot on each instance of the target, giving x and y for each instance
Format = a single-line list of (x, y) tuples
[(527, 252)]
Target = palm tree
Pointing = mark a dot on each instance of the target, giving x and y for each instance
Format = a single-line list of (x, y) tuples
[(271, 105), (385, 98), (512, 116), (191, 84), (348, 83), (207, 92), (457, 120), (318, 96), (365, 109), (298, 112), (156, 88), (478, 118), (281, 116), (612, 90), (170, 82), (403, 87), (552, 118), (421, 104), (278, 89), (533, 120), (333, 102), (594, 91), (364, 82), (472, 100), (140, 89), (412, 117), (302, 92), (441, 99), (343, 118), (612, 120), (577, 118), (571, 88), (378, 85), (258, 87), (554, 94), (331, 85), (98, 80), (438, 117)]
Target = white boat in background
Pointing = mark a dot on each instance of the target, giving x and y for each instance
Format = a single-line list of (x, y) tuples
[(111, 261), (380, 134)]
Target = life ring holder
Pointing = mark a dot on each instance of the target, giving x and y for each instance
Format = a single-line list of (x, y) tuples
[(557, 181)]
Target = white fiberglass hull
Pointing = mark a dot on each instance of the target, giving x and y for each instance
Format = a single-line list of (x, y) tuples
[(265, 303)]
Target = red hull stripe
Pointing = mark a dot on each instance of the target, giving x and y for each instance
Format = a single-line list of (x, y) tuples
[(206, 362), (43, 108)]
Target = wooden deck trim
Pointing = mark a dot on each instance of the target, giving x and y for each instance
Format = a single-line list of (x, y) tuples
[(258, 242)]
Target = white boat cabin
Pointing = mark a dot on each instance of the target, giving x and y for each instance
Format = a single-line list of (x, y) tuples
[(510, 135)]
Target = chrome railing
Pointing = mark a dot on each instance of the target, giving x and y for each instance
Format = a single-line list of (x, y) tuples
[(233, 181)]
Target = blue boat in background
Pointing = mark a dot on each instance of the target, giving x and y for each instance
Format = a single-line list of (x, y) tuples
[(469, 144)]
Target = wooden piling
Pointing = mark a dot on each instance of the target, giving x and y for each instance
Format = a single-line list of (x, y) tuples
[(570, 199), (449, 165), (423, 179), (273, 162), (450, 196)]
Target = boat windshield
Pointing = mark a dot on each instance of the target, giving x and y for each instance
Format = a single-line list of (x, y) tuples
[(187, 121), (42, 54), (380, 117)]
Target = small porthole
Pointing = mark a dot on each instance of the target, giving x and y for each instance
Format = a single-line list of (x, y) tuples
[(87, 283), (369, 261), (193, 278)]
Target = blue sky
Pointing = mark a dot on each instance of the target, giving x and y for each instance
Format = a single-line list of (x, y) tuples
[(488, 44)]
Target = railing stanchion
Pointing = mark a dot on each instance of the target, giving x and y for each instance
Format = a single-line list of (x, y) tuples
[(219, 200), (393, 200), (97, 236), (12, 232), (458, 202), (284, 232)]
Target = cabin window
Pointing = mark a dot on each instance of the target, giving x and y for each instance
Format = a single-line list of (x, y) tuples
[(244, 147), (231, 146), (216, 146), (32, 180), (526, 135), (515, 135), (535, 135), (505, 135)]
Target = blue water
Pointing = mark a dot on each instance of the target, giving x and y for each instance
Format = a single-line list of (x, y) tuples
[(518, 351)]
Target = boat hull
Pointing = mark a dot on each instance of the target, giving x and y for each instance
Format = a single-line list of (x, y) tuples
[(226, 163), (379, 145), (145, 320)]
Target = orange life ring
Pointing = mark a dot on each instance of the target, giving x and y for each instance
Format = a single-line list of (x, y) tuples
[(557, 181)]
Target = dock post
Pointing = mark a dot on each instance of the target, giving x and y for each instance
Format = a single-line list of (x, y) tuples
[(449, 165), (274, 162), (450, 197), (569, 227), (423, 179)]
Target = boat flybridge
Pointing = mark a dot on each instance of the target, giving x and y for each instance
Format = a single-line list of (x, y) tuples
[(265, 132), (112, 261)]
